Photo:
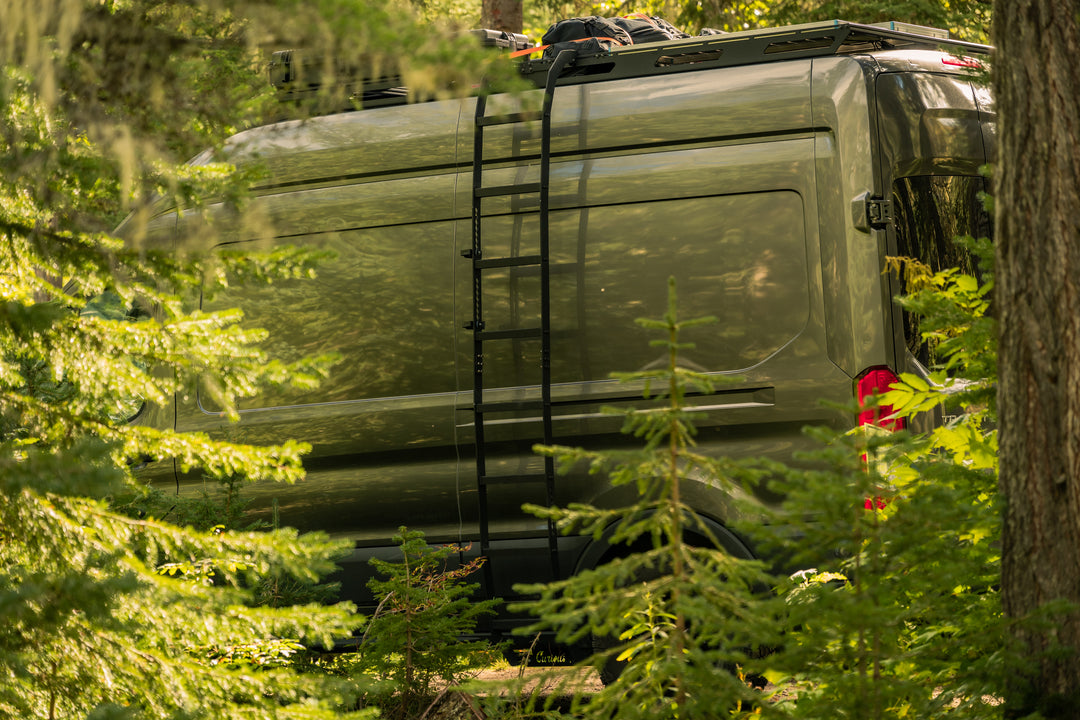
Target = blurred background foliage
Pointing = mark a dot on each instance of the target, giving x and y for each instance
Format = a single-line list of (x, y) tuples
[(967, 20)]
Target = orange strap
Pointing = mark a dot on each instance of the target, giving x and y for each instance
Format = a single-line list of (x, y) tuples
[(530, 51), (527, 51)]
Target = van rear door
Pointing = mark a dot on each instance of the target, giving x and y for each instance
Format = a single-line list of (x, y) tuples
[(934, 140)]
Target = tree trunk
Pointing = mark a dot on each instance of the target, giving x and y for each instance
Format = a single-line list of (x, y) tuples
[(502, 15), (1037, 89)]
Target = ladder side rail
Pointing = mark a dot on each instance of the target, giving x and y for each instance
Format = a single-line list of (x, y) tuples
[(475, 252), (584, 106), (564, 58)]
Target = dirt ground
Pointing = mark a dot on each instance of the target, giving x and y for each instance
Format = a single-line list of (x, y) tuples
[(588, 678), (549, 683), (552, 683), (555, 683)]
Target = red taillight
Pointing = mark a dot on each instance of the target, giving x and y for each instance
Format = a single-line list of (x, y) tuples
[(876, 381)]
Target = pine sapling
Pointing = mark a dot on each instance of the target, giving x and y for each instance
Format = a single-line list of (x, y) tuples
[(416, 638), (678, 612)]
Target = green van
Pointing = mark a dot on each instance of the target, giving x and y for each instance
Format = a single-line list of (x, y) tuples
[(490, 263)]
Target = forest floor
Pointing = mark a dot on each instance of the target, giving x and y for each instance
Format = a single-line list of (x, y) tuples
[(553, 688)]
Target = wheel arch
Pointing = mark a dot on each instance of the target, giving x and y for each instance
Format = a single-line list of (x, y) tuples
[(601, 550)]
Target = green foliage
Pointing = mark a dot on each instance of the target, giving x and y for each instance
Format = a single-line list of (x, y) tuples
[(726, 15), (956, 323), (457, 13), (112, 605), (89, 619), (907, 618), (414, 640), (214, 512), (964, 19), (106, 613), (270, 653), (896, 611), (674, 612), (904, 618)]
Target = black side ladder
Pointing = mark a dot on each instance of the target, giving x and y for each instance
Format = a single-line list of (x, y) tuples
[(481, 335)]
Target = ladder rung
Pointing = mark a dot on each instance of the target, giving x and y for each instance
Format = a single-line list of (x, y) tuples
[(528, 270), (514, 479), (509, 118), (519, 189), (509, 405), (515, 334), (555, 200), (518, 261)]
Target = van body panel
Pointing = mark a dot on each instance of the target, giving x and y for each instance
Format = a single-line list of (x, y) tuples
[(941, 61), (757, 100), (371, 203), (351, 145), (852, 259), (384, 301), (739, 271), (151, 228), (988, 119)]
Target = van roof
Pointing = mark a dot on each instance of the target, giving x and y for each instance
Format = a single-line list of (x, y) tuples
[(832, 37)]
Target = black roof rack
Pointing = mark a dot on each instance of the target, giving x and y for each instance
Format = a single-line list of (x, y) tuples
[(833, 37)]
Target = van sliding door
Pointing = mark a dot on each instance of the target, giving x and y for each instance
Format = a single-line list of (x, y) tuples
[(733, 218)]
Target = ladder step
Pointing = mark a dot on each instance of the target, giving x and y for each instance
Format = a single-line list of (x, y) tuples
[(499, 190), (527, 270), (514, 479), (509, 118), (509, 405), (531, 200), (515, 334), (518, 261)]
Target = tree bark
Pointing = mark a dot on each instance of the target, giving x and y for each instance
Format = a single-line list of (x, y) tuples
[(502, 15), (1037, 189)]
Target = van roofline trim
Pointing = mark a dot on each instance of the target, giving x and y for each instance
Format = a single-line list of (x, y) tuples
[(747, 47)]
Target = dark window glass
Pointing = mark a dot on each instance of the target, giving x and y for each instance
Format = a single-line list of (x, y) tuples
[(930, 211)]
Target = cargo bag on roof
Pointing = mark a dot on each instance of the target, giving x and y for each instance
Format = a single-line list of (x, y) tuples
[(593, 34), (588, 35), (645, 29)]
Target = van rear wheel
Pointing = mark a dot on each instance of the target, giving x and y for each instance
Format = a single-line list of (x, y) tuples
[(610, 669), (608, 645)]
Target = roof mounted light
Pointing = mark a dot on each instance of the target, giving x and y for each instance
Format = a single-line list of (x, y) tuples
[(964, 62), (914, 29)]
